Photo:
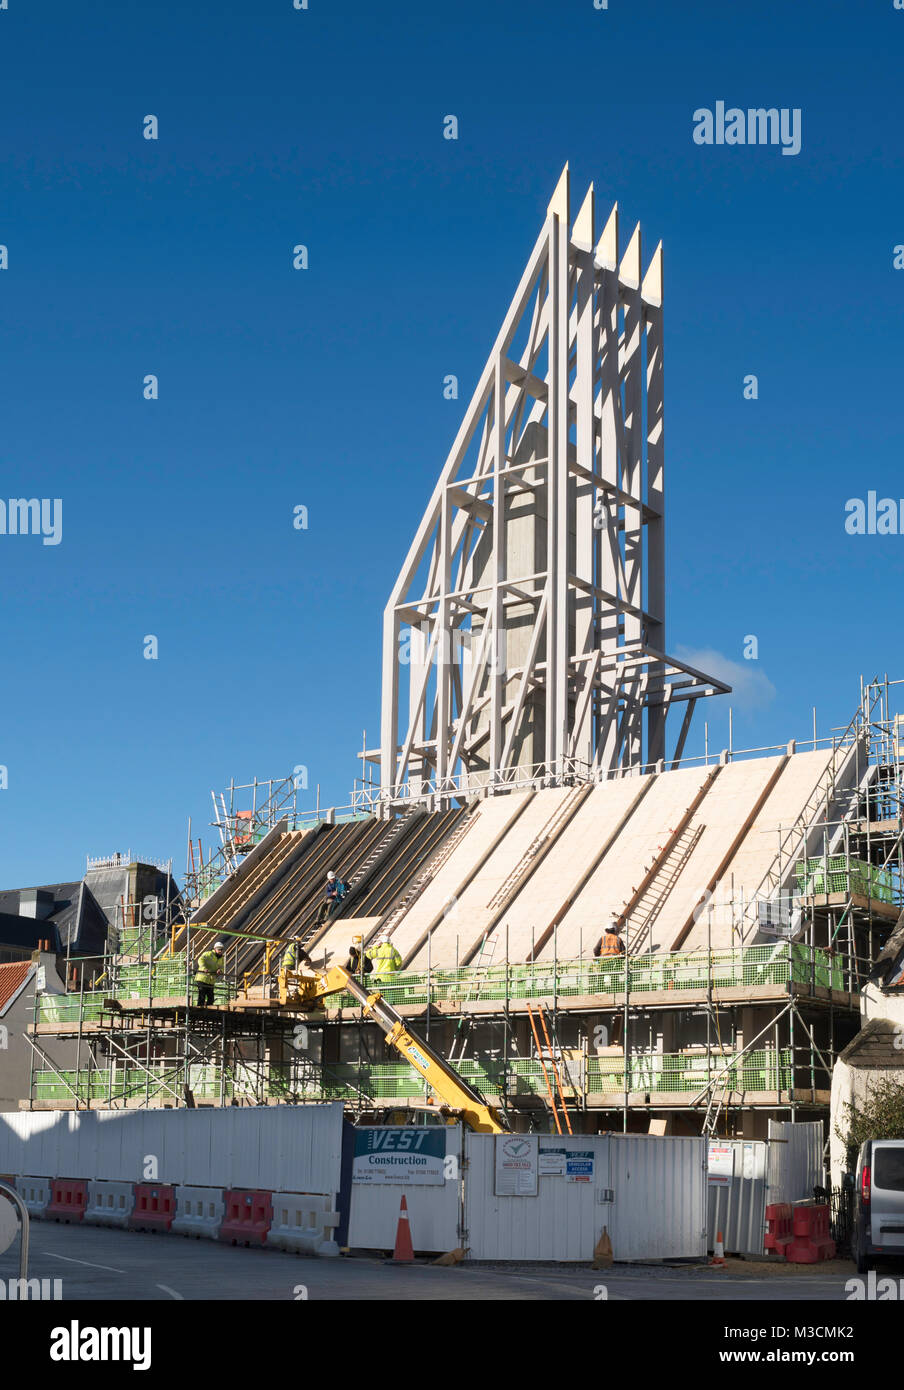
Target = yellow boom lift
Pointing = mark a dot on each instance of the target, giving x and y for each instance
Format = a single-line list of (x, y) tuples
[(301, 991)]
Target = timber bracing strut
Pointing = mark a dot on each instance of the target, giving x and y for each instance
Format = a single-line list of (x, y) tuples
[(526, 630)]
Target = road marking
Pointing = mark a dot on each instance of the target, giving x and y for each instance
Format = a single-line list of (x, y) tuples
[(90, 1263), (172, 1292), (561, 1284)]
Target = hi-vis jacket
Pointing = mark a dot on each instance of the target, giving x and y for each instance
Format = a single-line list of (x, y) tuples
[(386, 958), (209, 967)]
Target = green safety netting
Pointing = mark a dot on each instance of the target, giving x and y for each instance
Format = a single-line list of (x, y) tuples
[(838, 873)]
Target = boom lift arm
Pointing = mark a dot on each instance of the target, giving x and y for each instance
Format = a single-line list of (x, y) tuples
[(478, 1115)]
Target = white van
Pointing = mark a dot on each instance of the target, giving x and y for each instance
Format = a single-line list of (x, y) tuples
[(879, 1203)]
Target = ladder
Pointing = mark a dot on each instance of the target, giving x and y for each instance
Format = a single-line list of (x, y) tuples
[(384, 843), (264, 870), (560, 817), (718, 1094), (554, 1067), (666, 876), (427, 873), (825, 794)]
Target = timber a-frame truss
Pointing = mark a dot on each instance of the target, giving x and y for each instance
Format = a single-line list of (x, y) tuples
[(525, 636)]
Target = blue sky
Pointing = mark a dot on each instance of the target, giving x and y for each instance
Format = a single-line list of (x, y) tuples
[(323, 388)]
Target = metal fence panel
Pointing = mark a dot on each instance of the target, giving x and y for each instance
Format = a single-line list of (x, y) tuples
[(563, 1222), (433, 1211), (659, 1211), (172, 1161), (108, 1134), (22, 1145), (254, 1147), (78, 1145), (301, 1148), (242, 1145), (197, 1133), (796, 1162), (737, 1207)]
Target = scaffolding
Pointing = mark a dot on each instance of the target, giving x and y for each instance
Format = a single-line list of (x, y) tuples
[(141, 1043), (709, 1036)]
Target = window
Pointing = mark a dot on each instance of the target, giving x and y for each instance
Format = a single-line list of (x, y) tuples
[(888, 1168)]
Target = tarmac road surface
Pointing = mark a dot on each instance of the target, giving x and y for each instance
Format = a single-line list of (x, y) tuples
[(98, 1263)]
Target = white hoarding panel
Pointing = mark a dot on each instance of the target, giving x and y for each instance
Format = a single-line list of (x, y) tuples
[(517, 1160), (434, 1209), (660, 1197)]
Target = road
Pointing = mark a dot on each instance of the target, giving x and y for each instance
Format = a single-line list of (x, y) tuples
[(97, 1263)]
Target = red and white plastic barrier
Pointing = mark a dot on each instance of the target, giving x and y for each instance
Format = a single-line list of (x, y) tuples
[(248, 1217), (68, 1200), (199, 1212), (155, 1207), (109, 1203), (302, 1222)]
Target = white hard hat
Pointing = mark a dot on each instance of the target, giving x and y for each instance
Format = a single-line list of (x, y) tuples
[(330, 874), (219, 945)]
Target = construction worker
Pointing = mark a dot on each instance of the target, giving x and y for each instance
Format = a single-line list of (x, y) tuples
[(358, 963), (209, 966), (386, 959), (294, 956), (611, 943), (335, 892)]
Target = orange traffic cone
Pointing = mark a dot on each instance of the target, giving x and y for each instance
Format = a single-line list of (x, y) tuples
[(718, 1259), (404, 1250)]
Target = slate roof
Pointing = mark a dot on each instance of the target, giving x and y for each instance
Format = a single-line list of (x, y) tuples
[(874, 1048), (26, 932), (80, 923)]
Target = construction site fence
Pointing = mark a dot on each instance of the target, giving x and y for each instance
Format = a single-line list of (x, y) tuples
[(278, 1148)]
